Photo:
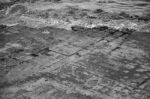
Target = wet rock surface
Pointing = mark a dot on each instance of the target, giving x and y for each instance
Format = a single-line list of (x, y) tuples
[(43, 58)]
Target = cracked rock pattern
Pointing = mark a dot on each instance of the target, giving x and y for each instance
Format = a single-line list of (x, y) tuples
[(60, 49)]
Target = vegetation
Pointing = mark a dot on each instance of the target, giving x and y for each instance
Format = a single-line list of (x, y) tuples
[(98, 11)]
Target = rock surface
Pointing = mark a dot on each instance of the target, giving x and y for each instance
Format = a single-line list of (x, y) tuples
[(77, 49)]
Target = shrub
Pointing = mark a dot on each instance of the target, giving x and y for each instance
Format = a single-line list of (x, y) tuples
[(77, 28), (101, 28), (98, 11), (125, 15)]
